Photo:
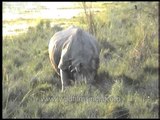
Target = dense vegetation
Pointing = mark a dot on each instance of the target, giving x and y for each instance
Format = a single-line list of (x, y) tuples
[(127, 86)]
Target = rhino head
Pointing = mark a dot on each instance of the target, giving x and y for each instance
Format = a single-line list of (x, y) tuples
[(85, 72)]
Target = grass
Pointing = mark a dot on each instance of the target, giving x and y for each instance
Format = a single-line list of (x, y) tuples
[(127, 84)]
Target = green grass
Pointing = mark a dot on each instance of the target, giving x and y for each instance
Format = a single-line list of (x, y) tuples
[(127, 84)]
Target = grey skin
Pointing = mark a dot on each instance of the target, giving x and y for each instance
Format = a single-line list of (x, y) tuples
[(74, 55)]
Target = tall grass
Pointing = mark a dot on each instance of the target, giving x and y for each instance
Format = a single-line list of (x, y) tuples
[(127, 83)]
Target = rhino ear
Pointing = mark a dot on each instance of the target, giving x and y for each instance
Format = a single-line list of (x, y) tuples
[(94, 63), (78, 67)]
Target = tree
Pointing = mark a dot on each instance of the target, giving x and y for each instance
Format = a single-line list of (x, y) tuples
[(89, 16)]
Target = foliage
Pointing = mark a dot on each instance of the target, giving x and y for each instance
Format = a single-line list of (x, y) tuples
[(127, 84)]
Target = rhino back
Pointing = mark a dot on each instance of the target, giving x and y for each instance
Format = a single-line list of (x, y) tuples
[(84, 47), (81, 47), (55, 46)]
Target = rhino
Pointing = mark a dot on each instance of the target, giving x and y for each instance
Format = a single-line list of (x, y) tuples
[(74, 55)]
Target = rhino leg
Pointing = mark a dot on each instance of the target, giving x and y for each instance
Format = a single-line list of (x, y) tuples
[(64, 79)]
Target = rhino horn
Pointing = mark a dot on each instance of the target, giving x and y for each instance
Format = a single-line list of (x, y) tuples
[(73, 70)]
